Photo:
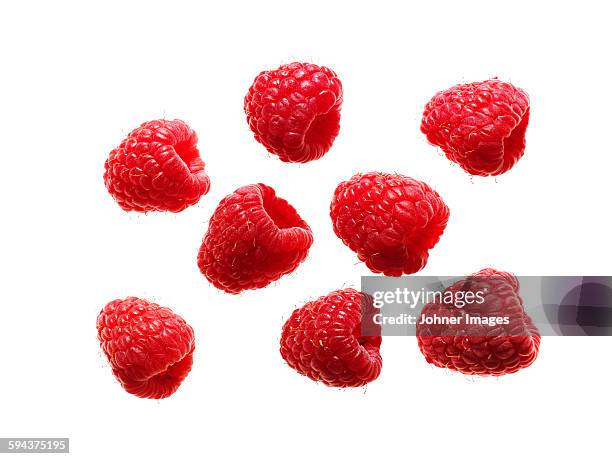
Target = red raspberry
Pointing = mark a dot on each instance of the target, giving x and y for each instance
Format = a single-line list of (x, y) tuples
[(480, 126), (150, 349), (157, 167), (253, 238), (294, 111), (323, 340), (390, 220), (480, 349)]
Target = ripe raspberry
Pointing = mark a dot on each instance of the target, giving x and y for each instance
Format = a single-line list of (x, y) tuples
[(254, 238), (476, 349), (150, 349), (294, 111), (480, 126), (323, 340), (157, 167), (389, 220)]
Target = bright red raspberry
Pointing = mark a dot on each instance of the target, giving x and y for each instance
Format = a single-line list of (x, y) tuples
[(480, 126), (294, 111), (157, 167), (253, 238), (389, 220), (480, 348), (323, 341), (150, 349)]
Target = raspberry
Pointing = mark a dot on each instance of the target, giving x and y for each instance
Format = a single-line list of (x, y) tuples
[(294, 111), (157, 167), (253, 239), (480, 126), (150, 349), (480, 349), (389, 220), (322, 340)]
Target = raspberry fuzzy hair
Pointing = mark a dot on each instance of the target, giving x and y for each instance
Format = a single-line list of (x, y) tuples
[(157, 168), (322, 340), (294, 111), (150, 349), (480, 348), (480, 126), (253, 238), (391, 221)]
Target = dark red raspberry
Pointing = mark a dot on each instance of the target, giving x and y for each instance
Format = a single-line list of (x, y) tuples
[(294, 111), (253, 238), (480, 126), (150, 349), (157, 167), (323, 340), (480, 349), (389, 220)]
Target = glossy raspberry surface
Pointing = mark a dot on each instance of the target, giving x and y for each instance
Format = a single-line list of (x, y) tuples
[(294, 111), (479, 349), (391, 221), (157, 168), (253, 238), (322, 340), (150, 349), (480, 126)]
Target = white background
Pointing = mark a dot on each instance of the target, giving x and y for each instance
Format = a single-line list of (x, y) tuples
[(76, 78)]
